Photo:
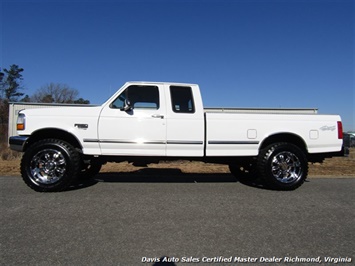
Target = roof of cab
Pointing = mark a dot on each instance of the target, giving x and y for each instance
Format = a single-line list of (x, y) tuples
[(161, 83)]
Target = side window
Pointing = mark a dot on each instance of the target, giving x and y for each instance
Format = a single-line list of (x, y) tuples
[(140, 97), (182, 100), (119, 102)]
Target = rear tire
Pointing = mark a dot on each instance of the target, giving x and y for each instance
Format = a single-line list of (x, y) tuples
[(50, 165), (283, 166)]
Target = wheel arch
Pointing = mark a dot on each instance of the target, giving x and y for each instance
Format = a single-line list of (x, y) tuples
[(284, 137), (53, 133)]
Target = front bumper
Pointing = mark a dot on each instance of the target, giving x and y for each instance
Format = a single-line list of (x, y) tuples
[(17, 143)]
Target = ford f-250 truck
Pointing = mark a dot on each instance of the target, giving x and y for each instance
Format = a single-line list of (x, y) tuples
[(145, 122)]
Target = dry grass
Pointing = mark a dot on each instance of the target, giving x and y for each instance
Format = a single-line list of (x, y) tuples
[(337, 166), (8, 155)]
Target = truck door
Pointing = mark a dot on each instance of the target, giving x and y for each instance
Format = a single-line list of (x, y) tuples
[(134, 123), (185, 121)]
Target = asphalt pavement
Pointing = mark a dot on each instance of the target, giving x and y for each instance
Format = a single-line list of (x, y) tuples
[(186, 219)]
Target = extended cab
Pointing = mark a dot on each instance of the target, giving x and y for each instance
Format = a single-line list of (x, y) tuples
[(144, 122)]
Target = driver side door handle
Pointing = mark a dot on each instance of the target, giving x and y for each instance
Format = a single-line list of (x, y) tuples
[(158, 116)]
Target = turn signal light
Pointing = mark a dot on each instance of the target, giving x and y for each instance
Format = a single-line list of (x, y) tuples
[(20, 126), (21, 122)]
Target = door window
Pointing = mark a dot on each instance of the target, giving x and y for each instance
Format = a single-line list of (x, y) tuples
[(140, 97)]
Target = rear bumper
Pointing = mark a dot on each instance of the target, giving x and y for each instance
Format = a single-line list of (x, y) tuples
[(345, 151), (319, 157), (17, 143)]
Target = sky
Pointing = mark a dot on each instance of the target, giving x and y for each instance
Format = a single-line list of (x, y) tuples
[(257, 53)]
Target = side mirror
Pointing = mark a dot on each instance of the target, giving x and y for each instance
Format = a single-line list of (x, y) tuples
[(127, 106)]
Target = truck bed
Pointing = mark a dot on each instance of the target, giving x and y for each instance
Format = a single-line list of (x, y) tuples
[(262, 110)]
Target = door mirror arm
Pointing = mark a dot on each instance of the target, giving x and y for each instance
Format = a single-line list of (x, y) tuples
[(127, 106)]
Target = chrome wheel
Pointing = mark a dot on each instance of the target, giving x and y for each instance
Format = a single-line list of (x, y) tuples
[(283, 166), (286, 167), (50, 165), (47, 167)]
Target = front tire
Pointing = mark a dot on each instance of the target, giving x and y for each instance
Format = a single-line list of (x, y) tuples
[(50, 165), (283, 166)]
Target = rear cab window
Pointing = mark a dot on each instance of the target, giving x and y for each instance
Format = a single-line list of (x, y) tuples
[(182, 99)]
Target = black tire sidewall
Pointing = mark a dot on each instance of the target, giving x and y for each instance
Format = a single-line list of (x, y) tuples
[(264, 165), (70, 154)]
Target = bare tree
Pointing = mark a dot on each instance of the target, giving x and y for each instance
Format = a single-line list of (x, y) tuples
[(55, 93)]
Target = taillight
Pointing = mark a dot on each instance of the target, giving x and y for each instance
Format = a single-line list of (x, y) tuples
[(340, 130)]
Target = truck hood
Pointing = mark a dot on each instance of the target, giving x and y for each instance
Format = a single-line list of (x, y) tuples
[(72, 111)]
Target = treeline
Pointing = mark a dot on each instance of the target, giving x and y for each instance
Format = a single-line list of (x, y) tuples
[(11, 90)]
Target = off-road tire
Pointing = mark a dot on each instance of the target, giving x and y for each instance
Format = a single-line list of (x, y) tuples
[(50, 165), (283, 166)]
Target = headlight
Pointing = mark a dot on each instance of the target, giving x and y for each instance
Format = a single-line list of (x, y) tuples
[(21, 122)]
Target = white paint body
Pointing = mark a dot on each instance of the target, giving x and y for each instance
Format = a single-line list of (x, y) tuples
[(163, 132)]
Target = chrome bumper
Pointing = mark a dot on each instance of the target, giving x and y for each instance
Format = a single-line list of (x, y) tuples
[(17, 143)]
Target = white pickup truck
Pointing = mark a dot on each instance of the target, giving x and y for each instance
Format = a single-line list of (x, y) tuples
[(145, 122)]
